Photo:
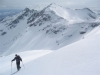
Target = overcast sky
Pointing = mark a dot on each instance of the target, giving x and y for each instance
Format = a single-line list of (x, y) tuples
[(35, 4)]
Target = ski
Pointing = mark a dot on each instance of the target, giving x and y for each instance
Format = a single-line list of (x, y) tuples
[(14, 73)]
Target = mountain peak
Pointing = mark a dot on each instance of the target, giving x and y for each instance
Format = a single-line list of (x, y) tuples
[(52, 4), (88, 9), (27, 9)]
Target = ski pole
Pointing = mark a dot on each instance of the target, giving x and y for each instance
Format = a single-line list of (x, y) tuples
[(23, 64), (11, 67)]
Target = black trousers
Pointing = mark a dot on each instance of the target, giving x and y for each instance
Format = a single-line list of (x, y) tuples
[(18, 65)]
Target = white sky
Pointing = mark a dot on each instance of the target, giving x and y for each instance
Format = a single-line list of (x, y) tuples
[(21, 4)]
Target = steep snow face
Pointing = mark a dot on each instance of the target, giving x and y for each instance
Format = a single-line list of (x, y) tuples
[(47, 29)]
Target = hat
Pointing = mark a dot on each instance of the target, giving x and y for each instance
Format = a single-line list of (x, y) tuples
[(15, 54)]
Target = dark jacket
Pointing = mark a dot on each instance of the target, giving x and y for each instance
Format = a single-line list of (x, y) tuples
[(17, 58)]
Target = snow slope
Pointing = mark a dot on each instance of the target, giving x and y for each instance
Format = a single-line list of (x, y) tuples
[(28, 56), (79, 58)]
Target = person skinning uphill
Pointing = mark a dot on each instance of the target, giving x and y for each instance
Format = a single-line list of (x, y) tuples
[(18, 59)]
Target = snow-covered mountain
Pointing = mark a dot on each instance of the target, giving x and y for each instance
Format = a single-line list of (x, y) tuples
[(51, 28)]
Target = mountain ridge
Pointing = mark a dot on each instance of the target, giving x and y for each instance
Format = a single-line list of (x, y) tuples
[(51, 27)]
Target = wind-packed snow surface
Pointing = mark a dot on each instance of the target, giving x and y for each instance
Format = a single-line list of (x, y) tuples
[(49, 29), (79, 58)]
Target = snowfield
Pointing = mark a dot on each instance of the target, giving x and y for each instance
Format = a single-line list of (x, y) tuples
[(79, 58)]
